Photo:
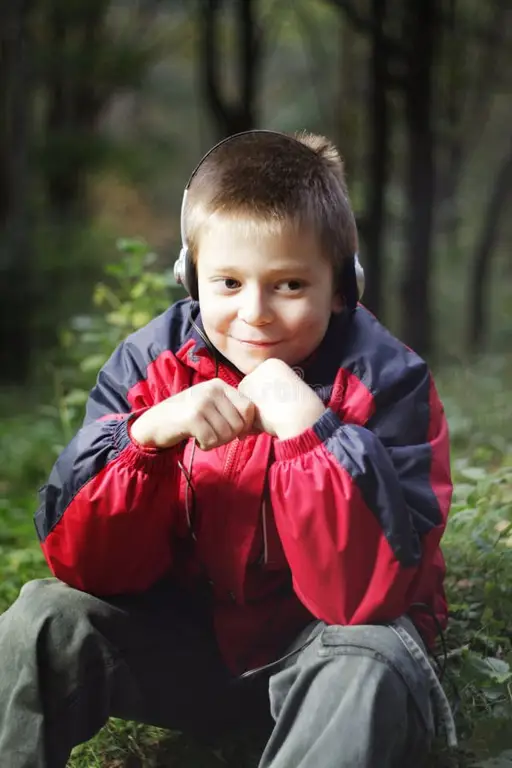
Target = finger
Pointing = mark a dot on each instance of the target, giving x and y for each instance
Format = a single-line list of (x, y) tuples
[(231, 414), (243, 405), (225, 427), (205, 435)]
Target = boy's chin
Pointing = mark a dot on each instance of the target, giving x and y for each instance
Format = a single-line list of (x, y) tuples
[(248, 365), (246, 360)]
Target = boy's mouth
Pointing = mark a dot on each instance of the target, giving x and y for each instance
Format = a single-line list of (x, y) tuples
[(258, 343)]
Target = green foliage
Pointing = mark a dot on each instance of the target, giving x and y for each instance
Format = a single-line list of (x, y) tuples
[(131, 294), (477, 545), (28, 446)]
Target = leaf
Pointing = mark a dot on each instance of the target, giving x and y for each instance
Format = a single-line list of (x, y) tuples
[(140, 318), (474, 473), (76, 397), (486, 671), (461, 491), (502, 526), (92, 363), (118, 319), (500, 670), (132, 246), (138, 290), (465, 515)]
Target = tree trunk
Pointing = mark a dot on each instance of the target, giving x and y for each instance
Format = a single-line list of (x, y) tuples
[(349, 123), (467, 104), (480, 277), (454, 50), (74, 102), (16, 300), (378, 161), (240, 115), (421, 32)]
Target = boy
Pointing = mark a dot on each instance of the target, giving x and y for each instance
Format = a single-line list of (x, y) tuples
[(257, 494)]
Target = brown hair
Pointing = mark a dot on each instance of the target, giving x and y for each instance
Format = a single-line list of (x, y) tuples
[(272, 179)]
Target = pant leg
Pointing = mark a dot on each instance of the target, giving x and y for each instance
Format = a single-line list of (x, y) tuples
[(354, 698), (70, 660)]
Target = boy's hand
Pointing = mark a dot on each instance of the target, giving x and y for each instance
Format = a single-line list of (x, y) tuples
[(286, 406), (212, 412)]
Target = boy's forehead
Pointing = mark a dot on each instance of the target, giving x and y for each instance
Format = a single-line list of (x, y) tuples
[(279, 244)]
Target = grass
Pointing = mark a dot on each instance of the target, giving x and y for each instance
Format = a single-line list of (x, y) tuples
[(478, 548)]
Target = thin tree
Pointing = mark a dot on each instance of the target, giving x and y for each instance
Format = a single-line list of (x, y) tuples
[(421, 28), (478, 319), (240, 113), (378, 159), (468, 95), (16, 304), (75, 99), (385, 52)]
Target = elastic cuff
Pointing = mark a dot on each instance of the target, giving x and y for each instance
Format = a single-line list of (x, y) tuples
[(141, 456), (327, 424), (322, 429)]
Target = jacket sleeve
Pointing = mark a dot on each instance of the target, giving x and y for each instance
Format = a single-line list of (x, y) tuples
[(360, 509), (105, 514)]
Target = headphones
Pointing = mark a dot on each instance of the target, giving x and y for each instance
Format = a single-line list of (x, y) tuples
[(352, 273)]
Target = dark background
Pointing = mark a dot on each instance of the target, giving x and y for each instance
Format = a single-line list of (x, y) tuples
[(106, 106)]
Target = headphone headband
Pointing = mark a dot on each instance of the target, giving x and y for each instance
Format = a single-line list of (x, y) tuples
[(352, 277), (213, 149)]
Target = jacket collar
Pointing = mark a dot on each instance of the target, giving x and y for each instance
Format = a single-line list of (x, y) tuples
[(318, 370)]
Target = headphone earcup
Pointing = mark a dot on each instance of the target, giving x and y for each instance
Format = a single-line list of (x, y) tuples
[(178, 268), (185, 274), (348, 284), (359, 276)]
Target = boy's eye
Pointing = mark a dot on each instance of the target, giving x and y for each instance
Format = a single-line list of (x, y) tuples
[(230, 283), (290, 285)]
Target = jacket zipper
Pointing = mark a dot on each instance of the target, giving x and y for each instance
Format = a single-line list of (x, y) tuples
[(228, 376), (264, 526), (235, 446), (232, 456)]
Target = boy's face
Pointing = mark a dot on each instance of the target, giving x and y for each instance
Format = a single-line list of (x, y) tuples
[(263, 295)]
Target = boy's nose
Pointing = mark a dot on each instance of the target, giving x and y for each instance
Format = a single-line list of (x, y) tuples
[(255, 309)]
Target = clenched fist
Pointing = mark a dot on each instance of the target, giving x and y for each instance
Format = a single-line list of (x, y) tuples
[(212, 412), (285, 405)]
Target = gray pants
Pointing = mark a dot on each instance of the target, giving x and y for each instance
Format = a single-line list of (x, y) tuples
[(354, 697)]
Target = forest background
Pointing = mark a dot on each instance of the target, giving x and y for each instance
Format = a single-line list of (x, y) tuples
[(105, 108)]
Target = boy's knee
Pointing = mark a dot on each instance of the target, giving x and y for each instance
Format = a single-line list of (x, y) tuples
[(363, 672), (45, 598), (374, 661), (43, 605), (372, 688)]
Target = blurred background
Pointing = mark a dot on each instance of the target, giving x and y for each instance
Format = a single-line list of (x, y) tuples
[(106, 106)]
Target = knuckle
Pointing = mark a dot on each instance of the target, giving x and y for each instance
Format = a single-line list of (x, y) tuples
[(216, 385), (209, 439)]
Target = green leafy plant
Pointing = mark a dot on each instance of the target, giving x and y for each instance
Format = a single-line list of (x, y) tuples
[(131, 294)]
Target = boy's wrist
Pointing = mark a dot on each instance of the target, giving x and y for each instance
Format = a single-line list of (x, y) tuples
[(144, 431), (140, 432), (307, 418)]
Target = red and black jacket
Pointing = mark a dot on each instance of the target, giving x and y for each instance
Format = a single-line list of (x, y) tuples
[(342, 522)]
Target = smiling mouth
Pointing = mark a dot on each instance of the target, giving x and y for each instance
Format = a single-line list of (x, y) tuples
[(259, 343)]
